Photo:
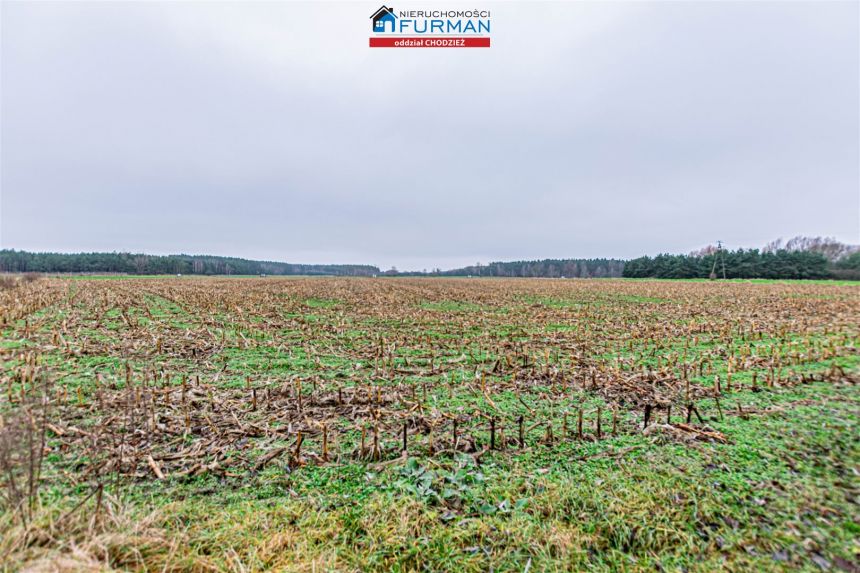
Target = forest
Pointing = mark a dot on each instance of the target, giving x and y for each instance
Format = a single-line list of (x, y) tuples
[(13, 261), (740, 264), (552, 268), (797, 258)]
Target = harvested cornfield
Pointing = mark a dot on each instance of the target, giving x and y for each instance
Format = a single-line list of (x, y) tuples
[(414, 424)]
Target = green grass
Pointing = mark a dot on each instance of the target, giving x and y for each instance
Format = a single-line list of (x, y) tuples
[(321, 303), (782, 495)]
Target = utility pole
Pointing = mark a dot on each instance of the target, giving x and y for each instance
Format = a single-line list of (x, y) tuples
[(719, 254)]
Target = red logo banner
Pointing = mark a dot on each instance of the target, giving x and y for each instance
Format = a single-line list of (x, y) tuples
[(430, 42)]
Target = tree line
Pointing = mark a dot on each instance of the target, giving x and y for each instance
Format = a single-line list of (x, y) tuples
[(797, 258), (140, 264), (551, 268), (740, 264)]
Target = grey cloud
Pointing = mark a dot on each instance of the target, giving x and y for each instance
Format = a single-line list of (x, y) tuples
[(271, 130)]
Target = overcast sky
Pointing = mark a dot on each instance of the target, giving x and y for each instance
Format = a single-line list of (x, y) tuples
[(272, 131)]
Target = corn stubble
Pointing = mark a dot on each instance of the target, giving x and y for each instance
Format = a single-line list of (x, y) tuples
[(226, 376)]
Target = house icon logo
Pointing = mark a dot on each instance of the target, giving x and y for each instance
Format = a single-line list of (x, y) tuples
[(381, 18), (429, 28)]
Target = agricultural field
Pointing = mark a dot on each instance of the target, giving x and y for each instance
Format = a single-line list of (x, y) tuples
[(348, 424)]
